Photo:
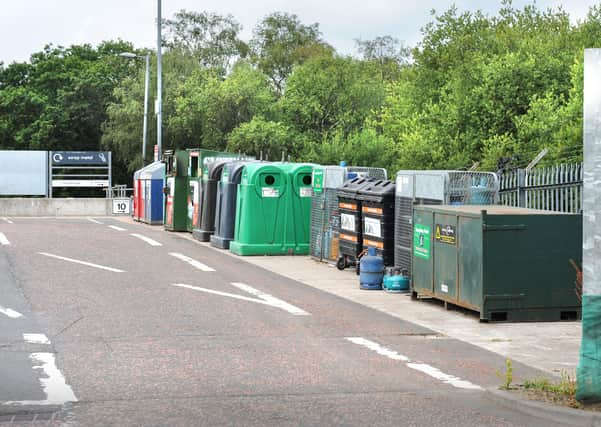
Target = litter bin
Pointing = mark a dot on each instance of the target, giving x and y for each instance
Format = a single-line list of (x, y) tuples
[(225, 206), (300, 175), (210, 179), (325, 216), (152, 179), (350, 237), (377, 209), (177, 190), (415, 187), (266, 221), (506, 263)]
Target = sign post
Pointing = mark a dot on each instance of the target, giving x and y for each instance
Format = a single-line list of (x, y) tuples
[(92, 169)]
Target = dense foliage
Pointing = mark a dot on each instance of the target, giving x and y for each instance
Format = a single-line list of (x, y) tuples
[(476, 89)]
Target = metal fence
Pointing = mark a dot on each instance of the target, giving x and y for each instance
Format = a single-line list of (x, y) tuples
[(556, 188)]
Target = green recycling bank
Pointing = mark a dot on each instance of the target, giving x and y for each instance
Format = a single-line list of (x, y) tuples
[(273, 209)]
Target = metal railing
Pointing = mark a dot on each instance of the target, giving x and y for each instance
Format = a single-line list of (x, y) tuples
[(120, 192), (556, 188)]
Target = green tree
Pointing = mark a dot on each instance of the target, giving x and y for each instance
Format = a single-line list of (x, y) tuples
[(267, 138), (212, 38), (328, 94), (280, 41)]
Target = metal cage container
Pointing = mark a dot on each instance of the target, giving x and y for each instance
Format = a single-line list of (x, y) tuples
[(435, 188), (325, 216)]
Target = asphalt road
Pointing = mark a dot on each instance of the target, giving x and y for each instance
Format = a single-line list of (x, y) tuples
[(149, 335)]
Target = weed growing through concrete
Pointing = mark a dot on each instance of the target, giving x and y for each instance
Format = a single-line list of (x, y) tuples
[(507, 376), (565, 387)]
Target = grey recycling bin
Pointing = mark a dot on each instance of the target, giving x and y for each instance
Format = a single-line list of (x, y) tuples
[(209, 199), (225, 206)]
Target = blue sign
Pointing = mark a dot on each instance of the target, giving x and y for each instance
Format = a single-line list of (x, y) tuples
[(74, 158)]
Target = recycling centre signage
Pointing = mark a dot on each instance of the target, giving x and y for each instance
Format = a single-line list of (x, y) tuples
[(75, 158)]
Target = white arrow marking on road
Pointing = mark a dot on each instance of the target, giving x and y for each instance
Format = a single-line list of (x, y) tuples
[(422, 367), (93, 220), (36, 338), (146, 239), (10, 312), (3, 239), (114, 227), (76, 261), (269, 300), (58, 392), (7, 220), (191, 261)]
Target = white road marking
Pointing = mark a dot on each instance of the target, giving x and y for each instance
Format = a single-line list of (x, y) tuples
[(94, 220), (10, 312), (114, 227), (7, 220), (383, 351), (3, 239), (445, 378), (36, 338), (422, 367), (146, 239), (76, 261), (57, 391), (191, 261), (273, 302)]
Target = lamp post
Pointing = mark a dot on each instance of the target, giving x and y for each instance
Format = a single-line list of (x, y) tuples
[(146, 89), (159, 82)]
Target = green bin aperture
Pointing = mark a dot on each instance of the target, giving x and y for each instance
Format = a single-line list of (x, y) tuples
[(273, 209), (176, 190), (508, 264)]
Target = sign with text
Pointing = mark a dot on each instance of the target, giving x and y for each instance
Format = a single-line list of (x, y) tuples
[(80, 182), (80, 158), (121, 206)]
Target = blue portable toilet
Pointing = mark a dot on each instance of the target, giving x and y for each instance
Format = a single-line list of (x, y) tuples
[(152, 179)]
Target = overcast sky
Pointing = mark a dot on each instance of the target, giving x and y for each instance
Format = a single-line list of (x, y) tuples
[(27, 25)]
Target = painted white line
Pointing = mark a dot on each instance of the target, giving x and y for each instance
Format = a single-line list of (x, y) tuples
[(272, 303), (445, 378), (57, 391), (3, 239), (76, 261), (36, 338), (7, 220), (146, 239), (10, 312), (94, 220), (271, 300), (422, 367), (383, 351), (114, 227), (192, 262)]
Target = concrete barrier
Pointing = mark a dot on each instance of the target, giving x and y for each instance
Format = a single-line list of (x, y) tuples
[(23, 206)]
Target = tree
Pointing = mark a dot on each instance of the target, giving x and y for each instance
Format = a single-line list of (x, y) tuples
[(387, 51), (267, 138), (328, 94), (212, 38), (280, 41)]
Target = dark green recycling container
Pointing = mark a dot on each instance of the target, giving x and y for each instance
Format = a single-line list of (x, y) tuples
[(176, 190), (273, 209), (506, 263)]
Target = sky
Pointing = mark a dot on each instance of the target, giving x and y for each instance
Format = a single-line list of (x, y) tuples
[(26, 26)]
